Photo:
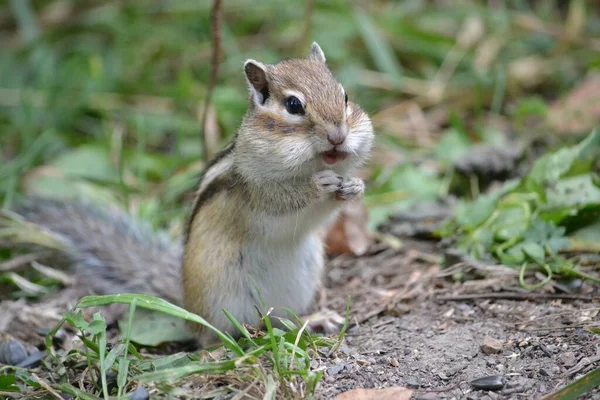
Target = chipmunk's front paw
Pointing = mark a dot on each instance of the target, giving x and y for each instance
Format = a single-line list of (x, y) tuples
[(350, 189), (327, 182)]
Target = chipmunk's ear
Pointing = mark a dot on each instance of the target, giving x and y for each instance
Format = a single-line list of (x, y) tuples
[(256, 74), (316, 53)]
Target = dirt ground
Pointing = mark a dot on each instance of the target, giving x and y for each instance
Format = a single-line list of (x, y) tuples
[(415, 331)]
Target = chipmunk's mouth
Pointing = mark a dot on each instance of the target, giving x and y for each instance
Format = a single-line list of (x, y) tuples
[(332, 156)]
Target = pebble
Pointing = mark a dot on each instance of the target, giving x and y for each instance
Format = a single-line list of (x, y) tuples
[(492, 382), (12, 352), (491, 345), (371, 360), (412, 384), (393, 362), (140, 394), (336, 369), (407, 351), (545, 372), (427, 396), (568, 359), (111, 381), (458, 367), (32, 360)]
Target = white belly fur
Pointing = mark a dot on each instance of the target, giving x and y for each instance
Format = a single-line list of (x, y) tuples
[(278, 275)]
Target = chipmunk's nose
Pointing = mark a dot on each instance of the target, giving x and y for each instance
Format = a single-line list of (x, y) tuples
[(337, 136)]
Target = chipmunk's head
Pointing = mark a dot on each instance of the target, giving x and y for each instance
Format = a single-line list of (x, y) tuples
[(300, 119)]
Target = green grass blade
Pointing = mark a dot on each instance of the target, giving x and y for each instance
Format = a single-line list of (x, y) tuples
[(124, 363), (172, 375), (160, 305), (239, 327), (73, 391), (273, 341), (382, 53), (577, 388)]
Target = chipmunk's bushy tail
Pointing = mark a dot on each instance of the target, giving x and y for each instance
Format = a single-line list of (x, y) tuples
[(108, 250)]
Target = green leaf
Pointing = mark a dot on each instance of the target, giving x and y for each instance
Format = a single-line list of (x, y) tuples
[(453, 145), (77, 320), (97, 326), (551, 167), (470, 215), (535, 251), (567, 197), (547, 235), (8, 383), (151, 328), (510, 223)]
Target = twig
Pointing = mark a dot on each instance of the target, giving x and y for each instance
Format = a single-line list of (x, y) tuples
[(215, 17), (581, 365), (516, 296), (310, 6), (19, 261), (45, 385)]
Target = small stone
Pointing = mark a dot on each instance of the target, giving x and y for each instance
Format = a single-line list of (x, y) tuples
[(491, 345), (427, 396), (12, 352), (344, 348), (336, 369), (492, 382), (360, 361), (32, 360), (407, 351), (393, 362), (545, 372), (500, 368), (140, 394), (412, 384), (443, 376), (371, 360), (524, 343), (568, 359)]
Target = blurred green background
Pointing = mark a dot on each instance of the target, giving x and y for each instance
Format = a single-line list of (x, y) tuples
[(103, 99)]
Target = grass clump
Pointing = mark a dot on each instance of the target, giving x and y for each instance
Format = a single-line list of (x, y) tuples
[(269, 364), (528, 221)]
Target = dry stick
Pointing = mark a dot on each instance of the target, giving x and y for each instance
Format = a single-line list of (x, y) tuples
[(310, 6), (46, 386), (581, 365), (516, 296), (215, 17), (19, 261)]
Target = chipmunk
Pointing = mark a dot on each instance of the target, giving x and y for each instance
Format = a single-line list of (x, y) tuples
[(253, 236)]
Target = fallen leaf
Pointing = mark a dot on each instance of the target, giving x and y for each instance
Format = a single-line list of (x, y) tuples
[(579, 110), (393, 393), (349, 234)]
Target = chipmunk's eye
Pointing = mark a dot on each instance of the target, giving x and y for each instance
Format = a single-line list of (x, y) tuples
[(346, 98), (293, 105)]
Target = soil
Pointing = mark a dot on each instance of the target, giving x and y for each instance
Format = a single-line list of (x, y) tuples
[(435, 347)]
